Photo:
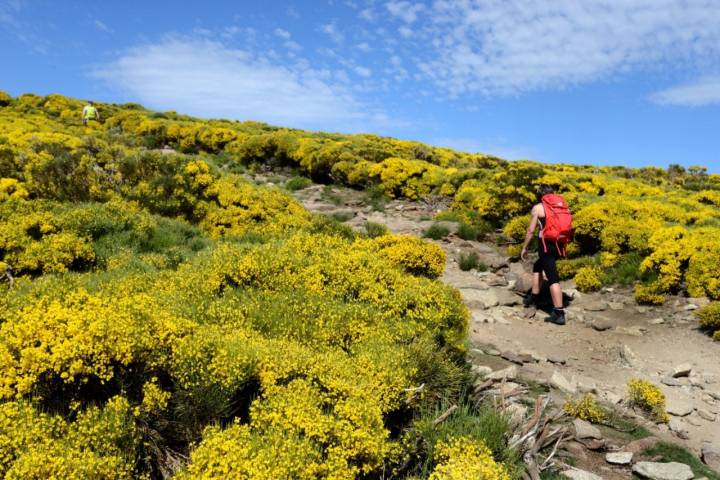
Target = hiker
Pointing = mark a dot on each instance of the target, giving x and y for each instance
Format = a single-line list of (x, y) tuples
[(552, 214), (90, 112)]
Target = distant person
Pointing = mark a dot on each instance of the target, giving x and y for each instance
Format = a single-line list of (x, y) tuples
[(90, 112), (552, 214)]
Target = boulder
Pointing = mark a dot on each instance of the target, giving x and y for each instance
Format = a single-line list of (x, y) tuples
[(710, 456), (678, 427), (585, 429), (682, 370), (619, 458), (577, 474), (663, 471), (523, 283), (561, 383), (679, 408), (507, 298)]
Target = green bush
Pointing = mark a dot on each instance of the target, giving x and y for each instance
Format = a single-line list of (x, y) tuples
[(298, 183), (373, 230), (437, 231), (468, 261), (709, 317), (467, 232), (342, 216)]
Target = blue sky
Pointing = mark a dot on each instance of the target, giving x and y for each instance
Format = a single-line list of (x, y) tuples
[(611, 82)]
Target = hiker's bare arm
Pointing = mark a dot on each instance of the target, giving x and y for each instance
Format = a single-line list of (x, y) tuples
[(530, 233)]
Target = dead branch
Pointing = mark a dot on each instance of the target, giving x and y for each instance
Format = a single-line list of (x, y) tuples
[(444, 415)]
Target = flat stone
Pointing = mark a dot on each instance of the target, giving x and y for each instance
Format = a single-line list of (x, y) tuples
[(509, 373), (634, 331), (619, 458), (690, 307), (518, 358), (656, 321), (601, 324), (493, 352), (479, 299), (575, 449), (616, 305), (641, 309), (682, 370), (679, 408), (585, 429), (481, 370), (595, 306), (577, 474), (710, 456), (671, 382), (678, 427), (507, 298), (693, 420), (496, 281), (706, 415), (561, 383), (553, 358), (663, 471)]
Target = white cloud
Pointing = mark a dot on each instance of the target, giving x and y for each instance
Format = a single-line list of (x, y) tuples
[(507, 47), (332, 31), (363, 47), (284, 34), (406, 11), (367, 15), (102, 27), (203, 77), (405, 32), (292, 45), (705, 91), (363, 72)]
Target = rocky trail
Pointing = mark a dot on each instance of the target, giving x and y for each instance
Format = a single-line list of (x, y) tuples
[(608, 340)]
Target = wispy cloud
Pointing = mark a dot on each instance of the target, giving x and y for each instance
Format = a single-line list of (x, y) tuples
[(407, 11), (102, 26), (204, 77), (702, 92), (331, 29), (508, 47)]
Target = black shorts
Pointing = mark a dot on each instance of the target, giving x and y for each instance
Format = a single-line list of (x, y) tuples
[(547, 261)]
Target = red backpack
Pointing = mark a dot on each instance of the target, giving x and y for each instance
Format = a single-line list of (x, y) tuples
[(558, 222)]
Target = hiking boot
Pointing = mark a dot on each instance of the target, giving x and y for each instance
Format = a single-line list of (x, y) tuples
[(530, 300), (557, 317)]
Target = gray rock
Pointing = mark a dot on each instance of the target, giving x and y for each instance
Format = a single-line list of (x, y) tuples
[(656, 321), (693, 420), (479, 299), (690, 307), (562, 383), (682, 370), (616, 305), (710, 456), (481, 370), (518, 358), (507, 298), (679, 408), (628, 356), (577, 474), (671, 382), (601, 324), (509, 373), (663, 471), (678, 427), (493, 352), (706, 415), (619, 458), (634, 331), (595, 306), (585, 429)]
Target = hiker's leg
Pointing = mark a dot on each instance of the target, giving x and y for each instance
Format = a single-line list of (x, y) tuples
[(537, 277), (556, 294), (554, 281)]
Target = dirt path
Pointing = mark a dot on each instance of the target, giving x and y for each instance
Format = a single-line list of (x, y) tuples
[(608, 339)]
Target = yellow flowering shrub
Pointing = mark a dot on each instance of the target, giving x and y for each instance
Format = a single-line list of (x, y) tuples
[(462, 458), (408, 252), (648, 397), (709, 317), (588, 279), (585, 408)]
